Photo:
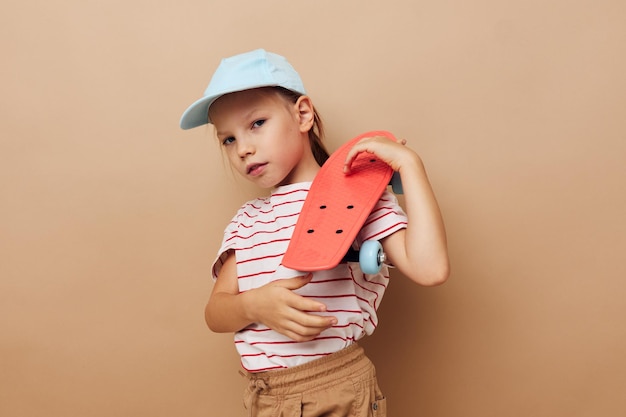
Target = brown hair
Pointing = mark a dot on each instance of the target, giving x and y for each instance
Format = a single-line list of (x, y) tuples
[(316, 134)]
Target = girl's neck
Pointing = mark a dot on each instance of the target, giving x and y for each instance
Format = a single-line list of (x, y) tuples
[(305, 171)]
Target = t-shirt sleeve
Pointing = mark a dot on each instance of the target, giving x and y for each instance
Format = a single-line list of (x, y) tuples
[(229, 242), (386, 218)]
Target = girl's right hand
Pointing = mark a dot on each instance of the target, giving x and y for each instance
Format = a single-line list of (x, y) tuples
[(276, 305), (282, 310)]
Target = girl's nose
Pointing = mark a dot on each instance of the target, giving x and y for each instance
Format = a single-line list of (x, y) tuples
[(245, 147)]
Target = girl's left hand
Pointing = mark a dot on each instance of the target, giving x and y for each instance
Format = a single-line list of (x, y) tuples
[(395, 154), (420, 251)]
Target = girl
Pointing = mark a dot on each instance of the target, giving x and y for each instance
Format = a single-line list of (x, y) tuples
[(297, 333)]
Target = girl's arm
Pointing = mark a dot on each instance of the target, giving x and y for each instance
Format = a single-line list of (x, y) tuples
[(419, 251), (274, 304)]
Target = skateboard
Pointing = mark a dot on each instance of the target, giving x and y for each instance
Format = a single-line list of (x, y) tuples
[(335, 209)]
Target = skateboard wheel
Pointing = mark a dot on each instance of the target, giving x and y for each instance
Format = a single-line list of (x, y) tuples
[(371, 256)]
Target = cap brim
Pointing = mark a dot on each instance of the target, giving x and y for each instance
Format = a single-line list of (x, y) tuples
[(197, 114)]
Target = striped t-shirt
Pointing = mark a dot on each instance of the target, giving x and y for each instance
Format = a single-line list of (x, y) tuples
[(259, 235)]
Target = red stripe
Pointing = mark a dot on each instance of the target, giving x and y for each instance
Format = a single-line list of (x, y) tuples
[(291, 342), (344, 311), (329, 296), (267, 329), (264, 232), (371, 219), (373, 237), (260, 258), (326, 281), (254, 275), (249, 226), (376, 293), (256, 245)]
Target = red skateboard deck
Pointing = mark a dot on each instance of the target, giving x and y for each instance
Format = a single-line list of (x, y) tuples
[(336, 207)]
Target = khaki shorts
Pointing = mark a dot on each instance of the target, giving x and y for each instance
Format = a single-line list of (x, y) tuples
[(339, 385)]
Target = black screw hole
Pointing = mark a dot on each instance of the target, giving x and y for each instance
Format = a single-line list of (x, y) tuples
[(350, 207), (323, 207), (339, 231), (310, 231)]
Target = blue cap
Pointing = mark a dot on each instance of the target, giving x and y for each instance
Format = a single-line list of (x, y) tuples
[(253, 69)]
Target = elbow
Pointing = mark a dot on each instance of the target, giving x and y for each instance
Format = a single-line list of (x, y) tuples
[(219, 321), (437, 278), (211, 325), (433, 276), (215, 325), (210, 320)]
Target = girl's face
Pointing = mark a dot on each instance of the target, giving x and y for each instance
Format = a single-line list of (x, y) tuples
[(265, 137)]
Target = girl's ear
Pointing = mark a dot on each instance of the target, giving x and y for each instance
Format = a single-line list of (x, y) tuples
[(306, 113)]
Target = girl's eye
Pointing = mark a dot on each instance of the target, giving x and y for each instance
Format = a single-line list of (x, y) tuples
[(228, 140), (258, 123)]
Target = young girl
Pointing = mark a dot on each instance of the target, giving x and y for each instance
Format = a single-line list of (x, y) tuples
[(297, 332)]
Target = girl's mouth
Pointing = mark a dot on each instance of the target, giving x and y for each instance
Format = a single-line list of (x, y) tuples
[(256, 169)]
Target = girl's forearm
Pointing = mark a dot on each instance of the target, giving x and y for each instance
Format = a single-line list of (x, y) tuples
[(228, 313)]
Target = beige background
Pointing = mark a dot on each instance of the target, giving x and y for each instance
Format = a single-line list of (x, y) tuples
[(110, 215)]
